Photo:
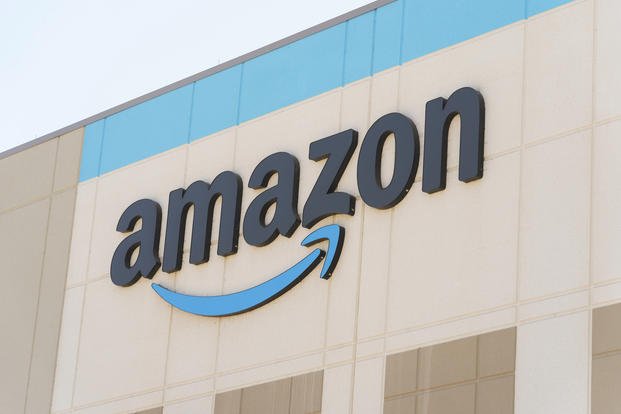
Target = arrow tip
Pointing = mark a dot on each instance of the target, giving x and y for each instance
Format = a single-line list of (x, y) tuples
[(335, 236)]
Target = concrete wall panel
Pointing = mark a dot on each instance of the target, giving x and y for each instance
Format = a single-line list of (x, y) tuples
[(38, 187)]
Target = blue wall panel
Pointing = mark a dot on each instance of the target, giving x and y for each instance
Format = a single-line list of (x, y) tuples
[(433, 25), (387, 45), (295, 72), (386, 37), (214, 107), (359, 47), (147, 129), (539, 6), (91, 150)]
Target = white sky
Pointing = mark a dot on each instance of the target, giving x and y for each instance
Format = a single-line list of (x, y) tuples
[(64, 60)]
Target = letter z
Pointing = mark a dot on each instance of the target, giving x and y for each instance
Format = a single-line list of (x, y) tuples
[(323, 201)]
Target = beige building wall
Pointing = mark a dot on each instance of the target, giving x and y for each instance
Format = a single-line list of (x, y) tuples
[(38, 187), (532, 245)]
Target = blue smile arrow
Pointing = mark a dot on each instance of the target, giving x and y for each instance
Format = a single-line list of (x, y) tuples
[(256, 296)]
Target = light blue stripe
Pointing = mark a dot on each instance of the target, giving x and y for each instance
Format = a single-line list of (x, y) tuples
[(359, 47), (91, 150), (147, 129), (215, 102), (434, 25), (293, 73), (392, 34), (539, 6), (387, 45)]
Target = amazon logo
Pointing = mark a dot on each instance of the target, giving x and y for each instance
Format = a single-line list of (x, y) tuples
[(137, 255)]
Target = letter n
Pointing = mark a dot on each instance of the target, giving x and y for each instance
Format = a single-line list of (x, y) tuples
[(470, 106)]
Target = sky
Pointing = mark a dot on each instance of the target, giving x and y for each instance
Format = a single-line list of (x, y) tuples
[(64, 60)]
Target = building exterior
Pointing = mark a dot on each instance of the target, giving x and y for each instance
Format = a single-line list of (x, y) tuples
[(415, 210)]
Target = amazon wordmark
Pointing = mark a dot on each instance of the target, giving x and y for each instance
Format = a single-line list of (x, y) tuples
[(138, 254)]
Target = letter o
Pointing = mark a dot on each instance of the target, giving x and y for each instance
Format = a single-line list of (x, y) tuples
[(407, 153)]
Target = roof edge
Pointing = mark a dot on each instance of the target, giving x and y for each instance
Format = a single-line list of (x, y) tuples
[(200, 75)]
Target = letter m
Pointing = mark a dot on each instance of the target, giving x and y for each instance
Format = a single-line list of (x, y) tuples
[(203, 197)]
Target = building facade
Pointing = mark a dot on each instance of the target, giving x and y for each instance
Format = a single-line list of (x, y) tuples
[(412, 208)]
